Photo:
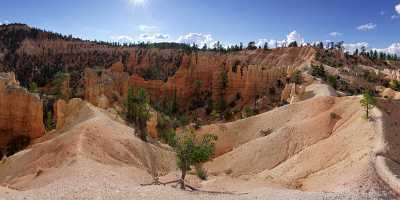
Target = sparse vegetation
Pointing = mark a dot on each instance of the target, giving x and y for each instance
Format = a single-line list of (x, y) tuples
[(192, 151), (137, 110), (49, 122), (201, 172), (367, 102), (296, 77), (332, 81), (33, 87), (318, 71), (248, 112), (57, 85)]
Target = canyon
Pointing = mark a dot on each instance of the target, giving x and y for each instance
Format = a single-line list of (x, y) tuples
[(297, 129)]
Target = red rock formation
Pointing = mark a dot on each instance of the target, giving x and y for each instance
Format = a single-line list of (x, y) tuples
[(21, 113), (250, 73)]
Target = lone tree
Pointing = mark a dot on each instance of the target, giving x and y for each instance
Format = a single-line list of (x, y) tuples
[(192, 151), (137, 110), (368, 102)]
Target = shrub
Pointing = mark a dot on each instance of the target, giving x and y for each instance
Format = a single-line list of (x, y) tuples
[(332, 81), (49, 123), (33, 87), (58, 82), (318, 71), (201, 172), (248, 112), (296, 77), (165, 129)]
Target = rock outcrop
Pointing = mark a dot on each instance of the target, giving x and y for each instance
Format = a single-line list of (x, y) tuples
[(250, 74), (21, 113), (65, 110), (292, 93)]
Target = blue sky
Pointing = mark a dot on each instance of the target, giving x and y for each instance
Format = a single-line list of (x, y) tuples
[(372, 22)]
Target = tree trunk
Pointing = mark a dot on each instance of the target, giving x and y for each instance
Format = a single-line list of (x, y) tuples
[(367, 111), (182, 181)]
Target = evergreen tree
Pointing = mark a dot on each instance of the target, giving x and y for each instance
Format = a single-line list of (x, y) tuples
[(293, 44), (137, 111), (355, 52), (265, 46), (368, 102), (192, 151), (251, 46)]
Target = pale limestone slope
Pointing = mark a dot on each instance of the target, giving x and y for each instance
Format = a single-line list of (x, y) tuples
[(92, 136)]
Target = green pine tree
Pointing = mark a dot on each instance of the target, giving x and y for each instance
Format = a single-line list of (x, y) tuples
[(367, 102)]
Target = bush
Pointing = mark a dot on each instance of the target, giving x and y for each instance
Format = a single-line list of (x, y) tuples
[(248, 112), (201, 172), (332, 81), (57, 83), (165, 129), (296, 77), (49, 122), (318, 71), (33, 87)]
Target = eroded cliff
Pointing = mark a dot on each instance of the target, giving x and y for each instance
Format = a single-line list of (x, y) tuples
[(21, 113), (250, 75)]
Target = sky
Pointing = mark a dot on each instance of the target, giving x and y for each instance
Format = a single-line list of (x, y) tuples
[(371, 23)]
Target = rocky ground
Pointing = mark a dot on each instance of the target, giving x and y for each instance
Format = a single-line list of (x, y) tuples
[(308, 154)]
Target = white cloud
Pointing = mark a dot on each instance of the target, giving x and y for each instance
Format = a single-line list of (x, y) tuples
[(367, 27), (144, 37), (156, 37), (392, 49), (148, 29), (397, 8), (335, 34), (197, 38), (122, 38), (272, 43), (294, 36), (351, 47), (137, 2)]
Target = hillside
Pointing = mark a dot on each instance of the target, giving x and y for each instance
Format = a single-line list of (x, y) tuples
[(94, 155), (288, 120)]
